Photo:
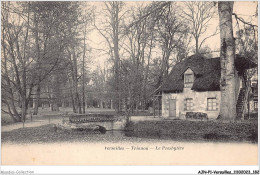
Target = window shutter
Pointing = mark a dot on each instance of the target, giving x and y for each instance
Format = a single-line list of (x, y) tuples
[(185, 105)]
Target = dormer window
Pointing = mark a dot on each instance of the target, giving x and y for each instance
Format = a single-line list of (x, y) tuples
[(188, 78)]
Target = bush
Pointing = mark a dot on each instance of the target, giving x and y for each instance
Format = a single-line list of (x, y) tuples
[(215, 136), (194, 130), (129, 125), (253, 116)]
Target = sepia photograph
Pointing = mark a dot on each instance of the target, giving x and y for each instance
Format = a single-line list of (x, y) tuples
[(129, 83)]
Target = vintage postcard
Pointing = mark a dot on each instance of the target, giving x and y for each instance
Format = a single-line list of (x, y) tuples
[(129, 83)]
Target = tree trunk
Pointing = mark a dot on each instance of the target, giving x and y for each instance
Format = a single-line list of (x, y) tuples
[(112, 104), (147, 71), (51, 105), (23, 110), (78, 103), (23, 95), (115, 24), (73, 102), (197, 45), (37, 100), (75, 71), (63, 103), (101, 104), (83, 73), (55, 105), (227, 57)]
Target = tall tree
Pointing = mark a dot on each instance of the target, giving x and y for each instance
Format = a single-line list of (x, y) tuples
[(15, 37), (173, 35), (50, 20), (111, 32), (87, 17), (247, 42), (83, 70), (34, 38), (227, 57), (198, 14)]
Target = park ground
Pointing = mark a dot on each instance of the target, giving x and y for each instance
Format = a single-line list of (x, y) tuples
[(41, 129)]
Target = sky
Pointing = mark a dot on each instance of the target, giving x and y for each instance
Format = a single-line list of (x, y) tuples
[(244, 9)]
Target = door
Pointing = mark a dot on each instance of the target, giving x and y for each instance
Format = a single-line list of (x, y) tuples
[(172, 108)]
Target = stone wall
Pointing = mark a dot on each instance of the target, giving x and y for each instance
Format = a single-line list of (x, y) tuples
[(199, 102)]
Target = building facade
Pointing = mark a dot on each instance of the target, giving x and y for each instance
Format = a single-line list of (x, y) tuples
[(193, 86)]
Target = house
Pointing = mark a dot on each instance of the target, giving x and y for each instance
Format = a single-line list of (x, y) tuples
[(193, 85)]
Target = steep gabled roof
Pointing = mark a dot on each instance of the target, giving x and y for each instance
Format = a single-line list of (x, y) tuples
[(207, 73)]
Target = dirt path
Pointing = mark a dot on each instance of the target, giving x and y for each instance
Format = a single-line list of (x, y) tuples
[(28, 124)]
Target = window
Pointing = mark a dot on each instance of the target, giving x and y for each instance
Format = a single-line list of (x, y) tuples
[(188, 78), (188, 104), (212, 104), (255, 105)]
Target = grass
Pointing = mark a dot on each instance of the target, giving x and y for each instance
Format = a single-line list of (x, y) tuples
[(195, 130), (49, 134), (178, 130), (6, 119)]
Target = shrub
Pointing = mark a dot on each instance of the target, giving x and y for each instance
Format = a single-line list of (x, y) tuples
[(195, 130)]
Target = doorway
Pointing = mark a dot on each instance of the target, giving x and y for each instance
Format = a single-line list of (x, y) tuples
[(172, 108)]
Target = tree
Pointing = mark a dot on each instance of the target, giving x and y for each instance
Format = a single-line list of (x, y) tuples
[(83, 69), (86, 20), (49, 25), (206, 51), (34, 40), (247, 42), (137, 39), (227, 57), (173, 35), (198, 14), (15, 36), (111, 32)]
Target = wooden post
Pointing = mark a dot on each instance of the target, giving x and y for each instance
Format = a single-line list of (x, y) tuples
[(49, 119)]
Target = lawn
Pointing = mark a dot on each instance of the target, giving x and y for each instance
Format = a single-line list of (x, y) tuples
[(177, 130), (48, 134), (195, 130)]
